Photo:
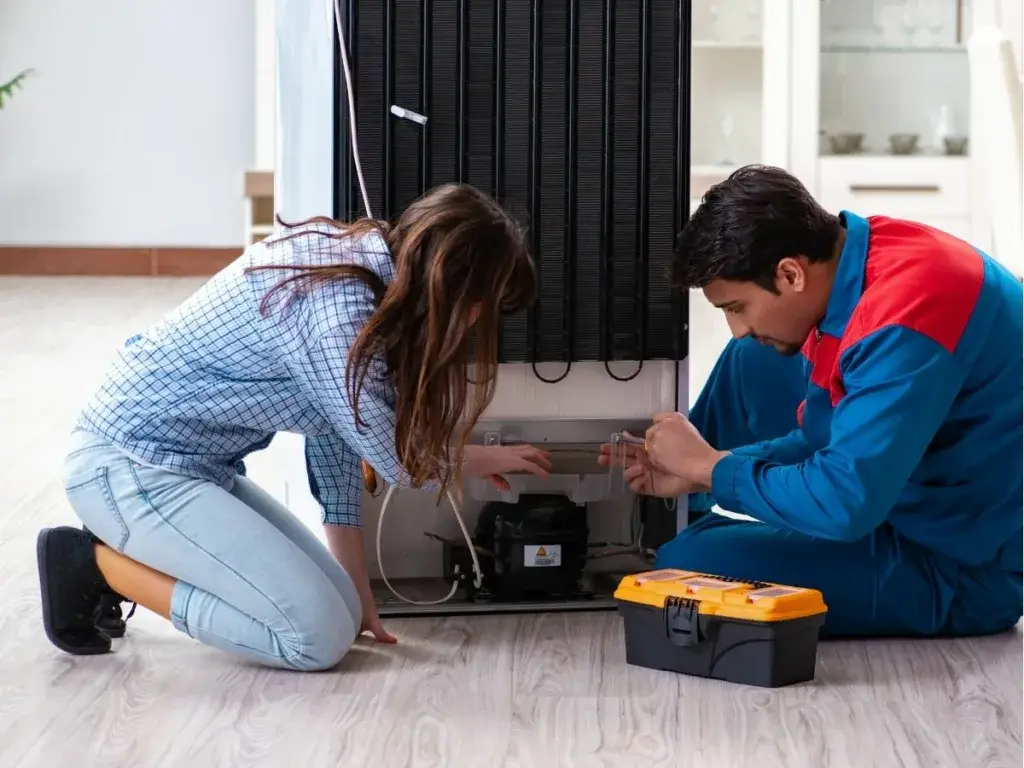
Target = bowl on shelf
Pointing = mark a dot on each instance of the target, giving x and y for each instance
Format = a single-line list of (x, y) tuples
[(845, 143), (955, 145), (903, 143)]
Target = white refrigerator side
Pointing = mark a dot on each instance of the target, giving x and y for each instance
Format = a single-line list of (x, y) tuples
[(304, 171)]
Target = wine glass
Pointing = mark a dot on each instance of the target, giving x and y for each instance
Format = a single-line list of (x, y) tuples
[(911, 21), (753, 20), (936, 22), (727, 127)]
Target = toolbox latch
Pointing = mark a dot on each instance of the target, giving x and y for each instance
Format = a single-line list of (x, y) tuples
[(682, 622)]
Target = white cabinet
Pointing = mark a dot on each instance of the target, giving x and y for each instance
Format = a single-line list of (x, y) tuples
[(739, 88), (740, 114), (933, 191), (881, 108)]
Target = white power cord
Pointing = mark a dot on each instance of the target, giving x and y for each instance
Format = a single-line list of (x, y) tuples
[(354, 140), (478, 573)]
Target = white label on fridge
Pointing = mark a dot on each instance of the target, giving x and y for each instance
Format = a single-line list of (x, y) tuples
[(542, 555)]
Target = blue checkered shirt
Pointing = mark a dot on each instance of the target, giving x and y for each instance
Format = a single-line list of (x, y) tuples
[(215, 380)]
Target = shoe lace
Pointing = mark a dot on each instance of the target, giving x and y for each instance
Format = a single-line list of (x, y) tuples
[(110, 606)]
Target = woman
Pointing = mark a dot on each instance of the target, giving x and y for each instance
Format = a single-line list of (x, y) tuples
[(356, 336)]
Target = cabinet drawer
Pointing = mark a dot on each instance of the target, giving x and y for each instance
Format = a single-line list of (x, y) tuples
[(957, 227), (902, 187)]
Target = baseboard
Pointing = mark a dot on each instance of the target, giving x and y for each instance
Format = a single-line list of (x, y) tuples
[(119, 261)]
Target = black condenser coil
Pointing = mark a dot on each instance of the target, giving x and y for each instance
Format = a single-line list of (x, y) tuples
[(573, 113)]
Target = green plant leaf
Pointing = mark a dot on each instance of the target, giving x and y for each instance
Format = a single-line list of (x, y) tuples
[(7, 89)]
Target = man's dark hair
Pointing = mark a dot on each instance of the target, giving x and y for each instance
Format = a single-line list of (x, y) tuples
[(747, 224)]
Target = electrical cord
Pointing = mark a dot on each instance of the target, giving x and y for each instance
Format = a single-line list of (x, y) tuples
[(478, 573), (352, 128), (354, 141)]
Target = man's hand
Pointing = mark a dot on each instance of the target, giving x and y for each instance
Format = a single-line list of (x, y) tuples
[(674, 445), (346, 544), (493, 461), (639, 473)]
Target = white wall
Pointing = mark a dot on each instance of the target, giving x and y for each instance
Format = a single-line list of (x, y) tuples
[(136, 129), (266, 84), (1010, 16)]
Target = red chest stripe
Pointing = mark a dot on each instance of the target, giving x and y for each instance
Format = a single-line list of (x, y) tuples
[(916, 277), (919, 278), (822, 351)]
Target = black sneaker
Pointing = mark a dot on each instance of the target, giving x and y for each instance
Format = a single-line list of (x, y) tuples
[(109, 617), (72, 588)]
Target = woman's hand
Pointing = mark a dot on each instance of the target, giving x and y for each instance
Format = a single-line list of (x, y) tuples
[(346, 544), (639, 473), (493, 461)]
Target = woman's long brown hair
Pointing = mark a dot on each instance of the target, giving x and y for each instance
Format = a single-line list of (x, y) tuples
[(461, 262)]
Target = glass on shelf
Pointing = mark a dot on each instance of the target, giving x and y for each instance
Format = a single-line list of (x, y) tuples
[(894, 78), (727, 22), (866, 26), (727, 126)]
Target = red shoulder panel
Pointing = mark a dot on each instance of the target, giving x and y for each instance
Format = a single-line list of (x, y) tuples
[(916, 277), (919, 278)]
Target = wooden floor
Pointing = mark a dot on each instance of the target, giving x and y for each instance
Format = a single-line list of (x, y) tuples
[(477, 692)]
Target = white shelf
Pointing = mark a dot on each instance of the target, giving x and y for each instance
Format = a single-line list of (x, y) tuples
[(728, 45), (713, 169)]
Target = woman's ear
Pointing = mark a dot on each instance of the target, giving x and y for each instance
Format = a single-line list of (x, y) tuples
[(474, 313)]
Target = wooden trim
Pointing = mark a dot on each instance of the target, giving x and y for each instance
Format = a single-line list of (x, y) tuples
[(259, 183), (120, 261)]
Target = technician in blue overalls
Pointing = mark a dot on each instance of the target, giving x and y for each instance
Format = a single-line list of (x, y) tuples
[(356, 336), (868, 414)]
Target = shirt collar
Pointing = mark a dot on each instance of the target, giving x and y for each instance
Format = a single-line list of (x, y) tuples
[(848, 284)]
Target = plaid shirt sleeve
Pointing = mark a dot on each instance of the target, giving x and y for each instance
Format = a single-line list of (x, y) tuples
[(335, 479), (337, 315)]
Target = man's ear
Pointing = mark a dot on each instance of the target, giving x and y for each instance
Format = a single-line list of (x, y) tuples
[(791, 275)]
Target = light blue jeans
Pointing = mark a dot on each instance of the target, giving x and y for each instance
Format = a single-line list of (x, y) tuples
[(251, 578)]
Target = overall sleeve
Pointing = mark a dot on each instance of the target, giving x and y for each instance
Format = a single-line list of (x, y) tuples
[(788, 449), (335, 480), (899, 386)]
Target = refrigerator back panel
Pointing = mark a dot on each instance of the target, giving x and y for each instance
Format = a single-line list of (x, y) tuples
[(573, 113)]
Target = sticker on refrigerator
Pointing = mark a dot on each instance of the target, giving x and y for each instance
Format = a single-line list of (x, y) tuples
[(542, 555)]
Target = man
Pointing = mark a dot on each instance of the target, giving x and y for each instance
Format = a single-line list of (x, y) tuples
[(898, 492)]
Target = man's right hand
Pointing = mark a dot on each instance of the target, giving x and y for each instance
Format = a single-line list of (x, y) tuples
[(638, 472)]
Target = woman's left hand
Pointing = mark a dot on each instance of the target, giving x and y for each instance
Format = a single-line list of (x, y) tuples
[(493, 461)]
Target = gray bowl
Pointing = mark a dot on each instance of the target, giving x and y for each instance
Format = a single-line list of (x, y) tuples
[(903, 143), (955, 145), (846, 143)]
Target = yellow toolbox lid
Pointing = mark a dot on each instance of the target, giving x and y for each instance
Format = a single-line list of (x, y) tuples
[(749, 601)]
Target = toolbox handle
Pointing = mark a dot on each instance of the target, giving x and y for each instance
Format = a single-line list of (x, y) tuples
[(682, 622)]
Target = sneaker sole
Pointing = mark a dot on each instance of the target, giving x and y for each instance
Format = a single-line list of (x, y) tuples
[(42, 562), (116, 631)]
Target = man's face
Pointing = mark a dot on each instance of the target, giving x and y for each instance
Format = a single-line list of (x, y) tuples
[(781, 320)]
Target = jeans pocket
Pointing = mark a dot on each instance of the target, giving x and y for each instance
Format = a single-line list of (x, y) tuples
[(90, 496)]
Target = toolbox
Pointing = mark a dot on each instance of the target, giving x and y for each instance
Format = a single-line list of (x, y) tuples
[(747, 632)]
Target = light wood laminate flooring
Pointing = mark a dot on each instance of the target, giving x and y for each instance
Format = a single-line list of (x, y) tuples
[(549, 690)]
